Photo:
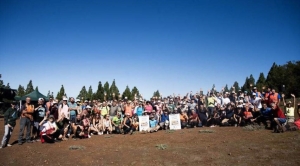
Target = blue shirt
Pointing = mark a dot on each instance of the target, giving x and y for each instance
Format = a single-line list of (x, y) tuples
[(265, 112), (73, 106), (153, 123), (164, 117), (139, 111)]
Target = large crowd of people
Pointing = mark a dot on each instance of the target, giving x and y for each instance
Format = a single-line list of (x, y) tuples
[(52, 121)]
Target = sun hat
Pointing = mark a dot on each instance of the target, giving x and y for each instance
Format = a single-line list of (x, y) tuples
[(65, 99), (88, 106)]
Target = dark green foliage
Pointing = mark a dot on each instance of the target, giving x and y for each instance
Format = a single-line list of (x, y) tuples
[(127, 93), (21, 91), (29, 88), (156, 94)]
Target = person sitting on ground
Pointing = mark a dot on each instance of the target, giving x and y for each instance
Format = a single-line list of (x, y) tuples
[(97, 124), (153, 124), (50, 131), (183, 119), (86, 126), (107, 127), (237, 116), (194, 119), (135, 122), (117, 124), (10, 117), (164, 120), (248, 116), (77, 127), (60, 126), (127, 124), (279, 118), (289, 110)]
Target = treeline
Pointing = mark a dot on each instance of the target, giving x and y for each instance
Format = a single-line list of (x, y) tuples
[(283, 78), (106, 91)]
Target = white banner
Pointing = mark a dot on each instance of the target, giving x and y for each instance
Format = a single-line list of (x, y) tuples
[(144, 123), (175, 123)]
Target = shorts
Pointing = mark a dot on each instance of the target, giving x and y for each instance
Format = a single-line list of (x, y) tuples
[(281, 120)]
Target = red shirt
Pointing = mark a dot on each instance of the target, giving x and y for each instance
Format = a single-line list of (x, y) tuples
[(278, 113)]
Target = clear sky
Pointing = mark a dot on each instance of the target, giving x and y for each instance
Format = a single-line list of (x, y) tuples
[(174, 46)]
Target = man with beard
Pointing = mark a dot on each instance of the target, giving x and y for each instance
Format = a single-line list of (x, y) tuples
[(72, 109), (25, 120)]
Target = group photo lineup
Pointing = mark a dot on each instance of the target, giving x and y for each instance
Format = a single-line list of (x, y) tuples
[(160, 82)]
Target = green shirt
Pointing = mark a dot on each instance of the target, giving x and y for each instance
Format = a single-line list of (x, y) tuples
[(116, 120), (10, 117)]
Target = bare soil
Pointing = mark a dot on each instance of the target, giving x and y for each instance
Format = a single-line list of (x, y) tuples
[(224, 146)]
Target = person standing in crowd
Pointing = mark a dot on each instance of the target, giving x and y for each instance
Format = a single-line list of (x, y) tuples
[(148, 107), (27, 111), (289, 110), (226, 99), (72, 108), (54, 109), (64, 109), (49, 104), (139, 110), (274, 97), (257, 94), (211, 104), (39, 114), (104, 109), (203, 114), (10, 117), (113, 109), (79, 108)]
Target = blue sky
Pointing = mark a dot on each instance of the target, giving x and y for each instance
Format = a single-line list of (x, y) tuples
[(173, 46)]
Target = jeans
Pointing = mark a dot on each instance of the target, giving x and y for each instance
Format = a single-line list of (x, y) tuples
[(7, 134), (24, 123)]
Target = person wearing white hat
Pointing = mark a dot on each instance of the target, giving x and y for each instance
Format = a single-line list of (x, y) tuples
[(64, 109)]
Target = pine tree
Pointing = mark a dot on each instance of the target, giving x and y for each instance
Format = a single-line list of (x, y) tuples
[(107, 91), (100, 92), (156, 94), (213, 88), (83, 94), (29, 88), (251, 81), (48, 94), (246, 85), (114, 89), (226, 88), (37, 88), (127, 93), (236, 86), (135, 93), (261, 82), (7, 86), (90, 93), (21, 91), (61, 93), (1, 82)]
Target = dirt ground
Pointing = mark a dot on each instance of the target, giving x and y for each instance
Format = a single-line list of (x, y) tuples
[(225, 146)]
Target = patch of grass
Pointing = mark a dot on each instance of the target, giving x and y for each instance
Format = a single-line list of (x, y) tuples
[(206, 131), (161, 146), (76, 147), (170, 131), (252, 127)]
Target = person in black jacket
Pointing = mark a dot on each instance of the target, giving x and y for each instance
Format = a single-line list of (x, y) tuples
[(10, 117)]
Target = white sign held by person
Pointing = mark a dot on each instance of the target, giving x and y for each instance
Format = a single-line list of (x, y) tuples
[(175, 123), (144, 123)]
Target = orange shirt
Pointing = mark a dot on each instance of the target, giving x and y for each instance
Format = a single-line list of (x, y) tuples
[(183, 117), (128, 110)]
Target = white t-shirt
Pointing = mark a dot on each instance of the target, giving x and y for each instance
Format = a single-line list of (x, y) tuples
[(48, 126), (256, 102), (65, 110), (226, 101)]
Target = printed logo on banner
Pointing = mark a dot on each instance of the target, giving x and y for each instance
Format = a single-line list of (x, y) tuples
[(175, 123), (144, 123)]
